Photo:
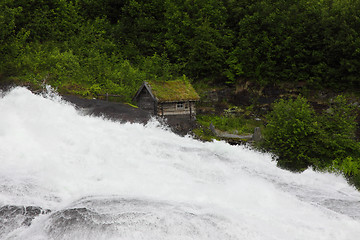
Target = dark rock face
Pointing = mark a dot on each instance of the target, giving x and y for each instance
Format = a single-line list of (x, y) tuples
[(179, 124), (111, 110), (5, 85), (244, 94), (318, 107), (242, 98), (13, 217), (125, 218)]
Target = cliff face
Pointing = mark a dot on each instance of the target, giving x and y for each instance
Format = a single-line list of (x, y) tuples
[(253, 101)]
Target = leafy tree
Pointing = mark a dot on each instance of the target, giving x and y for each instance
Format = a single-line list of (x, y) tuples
[(7, 24), (313, 41), (290, 131), (11, 41), (299, 138), (139, 28), (267, 41), (47, 19), (336, 140), (196, 37)]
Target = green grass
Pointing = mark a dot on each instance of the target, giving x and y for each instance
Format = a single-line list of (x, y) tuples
[(229, 124), (174, 90), (203, 133), (131, 105)]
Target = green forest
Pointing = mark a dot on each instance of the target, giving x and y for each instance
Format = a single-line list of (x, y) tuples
[(89, 47)]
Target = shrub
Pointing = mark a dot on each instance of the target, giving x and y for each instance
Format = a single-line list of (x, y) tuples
[(299, 138), (289, 133)]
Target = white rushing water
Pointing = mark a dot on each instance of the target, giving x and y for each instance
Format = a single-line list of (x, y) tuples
[(97, 179)]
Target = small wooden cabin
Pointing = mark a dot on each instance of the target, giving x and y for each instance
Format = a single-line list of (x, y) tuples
[(166, 99)]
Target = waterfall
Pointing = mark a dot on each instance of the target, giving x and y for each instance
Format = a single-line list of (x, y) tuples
[(67, 175)]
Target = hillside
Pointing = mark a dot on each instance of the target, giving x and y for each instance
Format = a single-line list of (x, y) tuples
[(88, 47)]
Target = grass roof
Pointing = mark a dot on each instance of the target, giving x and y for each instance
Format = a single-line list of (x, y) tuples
[(172, 91)]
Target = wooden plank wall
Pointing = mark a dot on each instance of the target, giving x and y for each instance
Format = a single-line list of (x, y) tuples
[(165, 109), (145, 101)]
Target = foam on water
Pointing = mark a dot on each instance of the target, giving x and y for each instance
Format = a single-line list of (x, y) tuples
[(106, 180)]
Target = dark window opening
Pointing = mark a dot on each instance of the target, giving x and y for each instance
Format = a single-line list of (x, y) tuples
[(180, 105)]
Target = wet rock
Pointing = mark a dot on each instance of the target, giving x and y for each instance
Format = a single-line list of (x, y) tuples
[(127, 218), (113, 110), (8, 212), (13, 217), (272, 91), (242, 98), (211, 96), (319, 107), (6, 84), (220, 107)]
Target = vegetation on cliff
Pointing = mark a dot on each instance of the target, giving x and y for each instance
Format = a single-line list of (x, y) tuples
[(95, 46)]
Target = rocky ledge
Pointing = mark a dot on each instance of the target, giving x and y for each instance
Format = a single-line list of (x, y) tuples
[(112, 110)]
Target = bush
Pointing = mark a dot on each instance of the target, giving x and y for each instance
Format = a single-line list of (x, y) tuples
[(300, 139), (290, 130), (336, 140)]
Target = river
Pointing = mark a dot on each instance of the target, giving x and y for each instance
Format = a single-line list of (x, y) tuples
[(67, 175)]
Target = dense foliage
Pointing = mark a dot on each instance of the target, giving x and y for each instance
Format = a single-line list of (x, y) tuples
[(289, 133), (299, 138), (96, 46)]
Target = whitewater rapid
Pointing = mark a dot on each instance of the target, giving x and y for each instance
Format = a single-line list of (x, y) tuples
[(66, 175)]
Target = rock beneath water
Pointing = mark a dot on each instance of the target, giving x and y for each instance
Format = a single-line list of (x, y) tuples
[(126, 218), (13, 217)]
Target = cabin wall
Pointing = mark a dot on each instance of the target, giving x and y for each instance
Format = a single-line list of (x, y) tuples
[(145, 101), (176, 108)]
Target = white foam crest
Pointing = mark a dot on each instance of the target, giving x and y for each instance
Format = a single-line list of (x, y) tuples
[(51, 156)]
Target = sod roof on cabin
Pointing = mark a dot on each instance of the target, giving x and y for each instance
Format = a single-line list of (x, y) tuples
[(173, 91)]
